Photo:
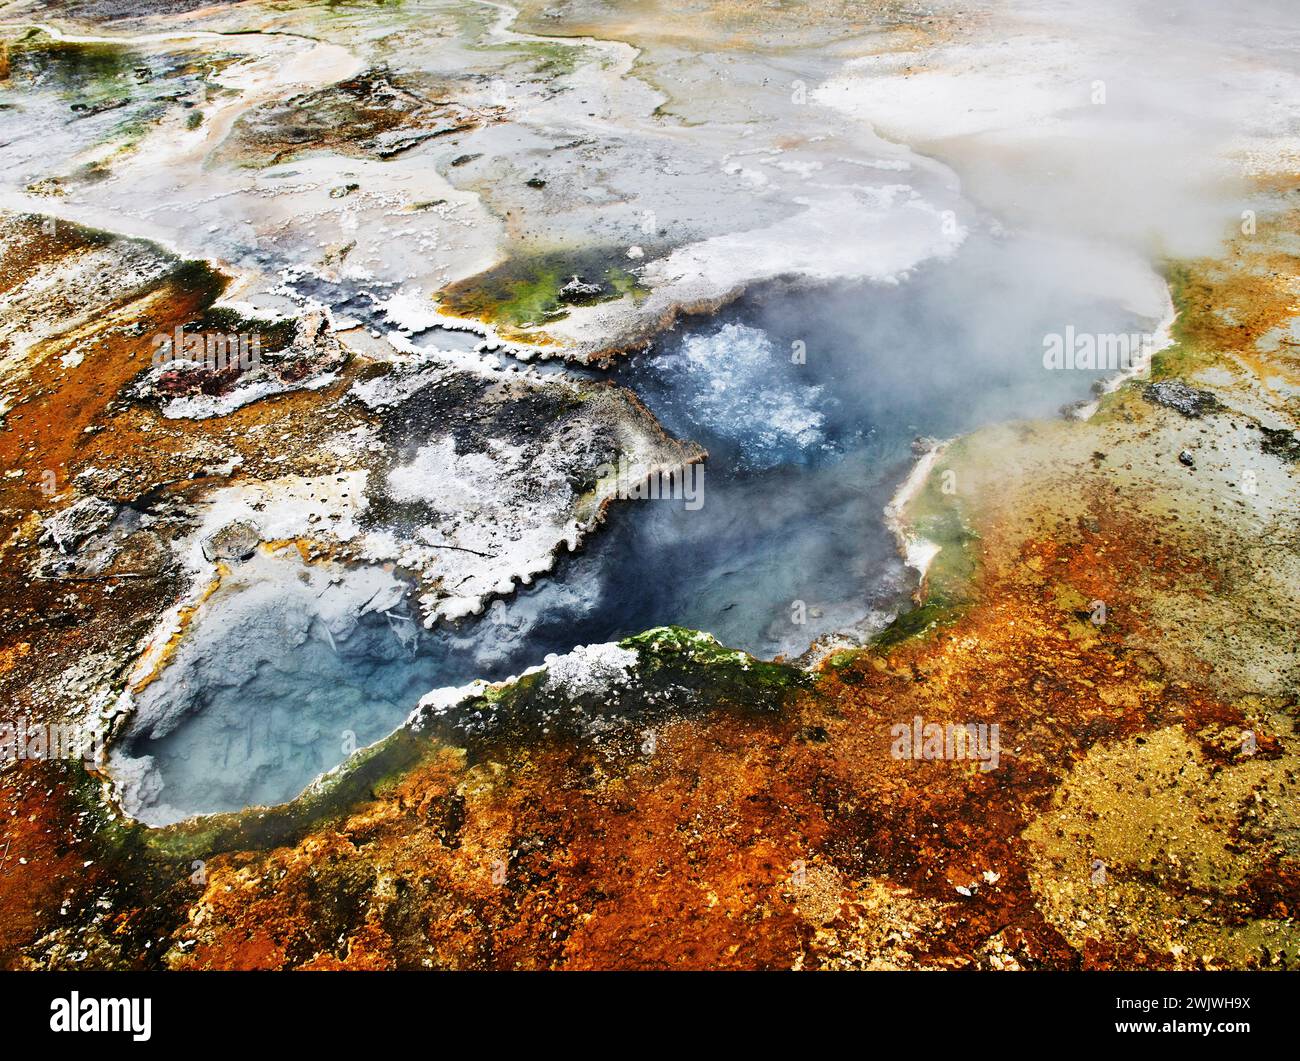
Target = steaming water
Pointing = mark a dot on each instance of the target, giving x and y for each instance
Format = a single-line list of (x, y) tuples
[(808, 403)]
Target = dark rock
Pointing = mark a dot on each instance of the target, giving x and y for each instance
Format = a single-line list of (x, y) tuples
[(1185, 457), (1186, 400), (1279, 442), (578, 291)]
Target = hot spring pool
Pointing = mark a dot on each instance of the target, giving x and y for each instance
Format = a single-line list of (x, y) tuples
[(808, 403)]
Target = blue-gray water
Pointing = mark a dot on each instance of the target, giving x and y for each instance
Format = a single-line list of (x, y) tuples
[(804, 454)]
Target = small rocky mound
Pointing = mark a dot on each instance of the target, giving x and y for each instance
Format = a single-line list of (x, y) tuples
[(69, 528), (578, 292), (1186, 400), (237, 540), (375, 114)]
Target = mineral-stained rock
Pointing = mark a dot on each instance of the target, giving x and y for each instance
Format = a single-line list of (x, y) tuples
[(313, 349), (237, 540), (483, 475), (70, 527), (375, 113), (258, 358)]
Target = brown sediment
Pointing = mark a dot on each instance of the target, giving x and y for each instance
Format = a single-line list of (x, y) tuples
[(36, 835), (48, 426)]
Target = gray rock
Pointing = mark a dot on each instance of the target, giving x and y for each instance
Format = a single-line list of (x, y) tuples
[(1186, 400), (72, 526), (237, 540), (578, 290)]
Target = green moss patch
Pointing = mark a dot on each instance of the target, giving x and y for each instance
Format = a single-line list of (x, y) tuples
[(528, 291)]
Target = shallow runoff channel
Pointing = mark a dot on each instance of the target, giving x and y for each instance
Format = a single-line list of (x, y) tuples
[(808, 402)]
